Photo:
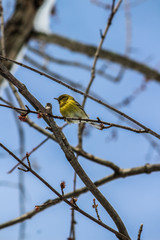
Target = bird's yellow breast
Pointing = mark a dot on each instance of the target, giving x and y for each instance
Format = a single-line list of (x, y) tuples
[(72, 109), (66, 108)]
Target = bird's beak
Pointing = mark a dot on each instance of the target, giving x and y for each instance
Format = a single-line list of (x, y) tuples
[(56, 99)]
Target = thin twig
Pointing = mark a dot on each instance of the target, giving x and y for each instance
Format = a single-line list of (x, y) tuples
[(97, 53), (73, 222), (33, 150), (20, 175), (132, 96), (95, 206), (51, 73), (140, 232), (62, 185)]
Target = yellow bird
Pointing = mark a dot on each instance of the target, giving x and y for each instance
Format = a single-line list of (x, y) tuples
[(69, 107)]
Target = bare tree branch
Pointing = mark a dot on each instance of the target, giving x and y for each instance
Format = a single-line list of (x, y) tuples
[(15, 38), (89, 50)]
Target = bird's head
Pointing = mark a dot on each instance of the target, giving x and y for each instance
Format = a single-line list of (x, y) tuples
[(64, 98)]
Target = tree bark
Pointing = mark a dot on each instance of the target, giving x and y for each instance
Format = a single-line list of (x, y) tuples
[(19, 28)]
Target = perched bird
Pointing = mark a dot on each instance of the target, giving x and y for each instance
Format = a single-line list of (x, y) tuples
[(69, 107)]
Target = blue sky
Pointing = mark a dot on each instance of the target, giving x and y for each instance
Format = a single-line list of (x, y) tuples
[(136, 199)]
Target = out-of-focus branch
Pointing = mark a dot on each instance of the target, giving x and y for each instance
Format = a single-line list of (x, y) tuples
[(21, 152), (89, 50), (68, 63), (18, 29), (2, 30), (20, 132), (51, 73), (101, 4)]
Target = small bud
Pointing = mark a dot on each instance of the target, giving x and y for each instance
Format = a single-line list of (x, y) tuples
[(22, 118), (73, 200), (39, 115), (63, 185), (94, 203), (37, 208)]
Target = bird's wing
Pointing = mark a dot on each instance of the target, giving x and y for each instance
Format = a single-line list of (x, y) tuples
[(78, 105)]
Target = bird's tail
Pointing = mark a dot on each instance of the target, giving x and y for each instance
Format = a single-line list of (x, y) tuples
[(98, 126)]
